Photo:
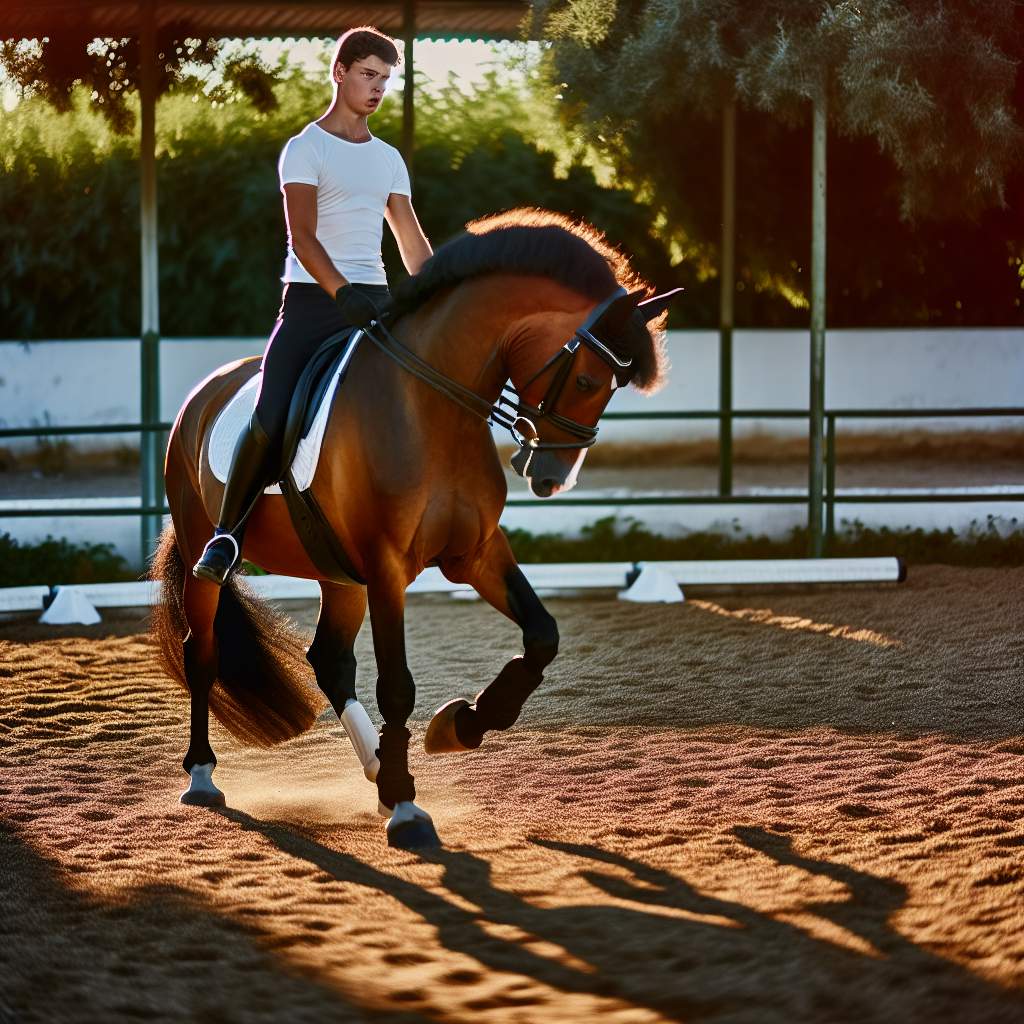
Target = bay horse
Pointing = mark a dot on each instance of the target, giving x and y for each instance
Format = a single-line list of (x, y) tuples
[(409, 476)]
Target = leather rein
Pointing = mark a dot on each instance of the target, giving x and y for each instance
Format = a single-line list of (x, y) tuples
[(511, 409)]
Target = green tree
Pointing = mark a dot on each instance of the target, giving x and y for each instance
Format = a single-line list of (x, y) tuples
[(924, 143), (69, 232), (108, 69)]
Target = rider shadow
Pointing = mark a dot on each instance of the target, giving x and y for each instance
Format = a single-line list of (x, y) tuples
[(677, 951)]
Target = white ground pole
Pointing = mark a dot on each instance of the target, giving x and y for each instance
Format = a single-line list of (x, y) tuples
[(570, 576)]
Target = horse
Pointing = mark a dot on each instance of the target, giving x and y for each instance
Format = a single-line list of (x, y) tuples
[(409, 476)]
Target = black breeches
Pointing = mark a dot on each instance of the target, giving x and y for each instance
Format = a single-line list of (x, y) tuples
[(308, 317)]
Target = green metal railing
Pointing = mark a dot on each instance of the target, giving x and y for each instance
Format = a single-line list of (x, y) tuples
[(152, 506)]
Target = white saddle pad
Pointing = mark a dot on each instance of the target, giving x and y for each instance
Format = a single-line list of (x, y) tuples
[(234, 418)]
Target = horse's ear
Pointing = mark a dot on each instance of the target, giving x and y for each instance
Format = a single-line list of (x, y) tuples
[(613, 320), (653, 307)]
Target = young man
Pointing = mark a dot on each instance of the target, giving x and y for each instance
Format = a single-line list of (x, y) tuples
[(340, 183)]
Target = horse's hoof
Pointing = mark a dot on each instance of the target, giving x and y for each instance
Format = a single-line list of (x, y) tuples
[(441, 737), (201, 791), (202, 798), (411, 828)]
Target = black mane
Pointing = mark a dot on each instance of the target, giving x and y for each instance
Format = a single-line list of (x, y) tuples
[(540, 242)]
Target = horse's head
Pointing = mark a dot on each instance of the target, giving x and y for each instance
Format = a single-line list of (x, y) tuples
[(565, 376)]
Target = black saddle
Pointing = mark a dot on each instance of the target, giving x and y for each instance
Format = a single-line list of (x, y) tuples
[(309, 392), (324, 549)]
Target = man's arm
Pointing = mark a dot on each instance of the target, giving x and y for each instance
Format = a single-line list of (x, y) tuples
[(300, 213), (412, 243)]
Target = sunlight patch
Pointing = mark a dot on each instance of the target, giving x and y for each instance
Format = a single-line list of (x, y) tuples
[(766, 617)]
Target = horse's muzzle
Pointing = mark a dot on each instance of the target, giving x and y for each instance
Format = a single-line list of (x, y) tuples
[(520, 461)]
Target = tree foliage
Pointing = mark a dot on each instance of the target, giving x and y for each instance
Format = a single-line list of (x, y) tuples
[(69, 232), (923, 101), (54, 67)]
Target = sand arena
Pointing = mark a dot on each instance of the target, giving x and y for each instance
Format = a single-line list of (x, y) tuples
[(788, 806)]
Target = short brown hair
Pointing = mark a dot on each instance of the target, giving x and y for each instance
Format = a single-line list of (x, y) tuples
[(364, 41)]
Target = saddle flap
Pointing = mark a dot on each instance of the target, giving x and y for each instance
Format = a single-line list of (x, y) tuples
[(307, 416)]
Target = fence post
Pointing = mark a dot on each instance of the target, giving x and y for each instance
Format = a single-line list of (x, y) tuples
[(149, 349), (727, 286), (830, 483), (817, 375), (408, 101)]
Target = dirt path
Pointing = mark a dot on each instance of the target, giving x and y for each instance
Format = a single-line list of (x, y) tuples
[(771, 807)]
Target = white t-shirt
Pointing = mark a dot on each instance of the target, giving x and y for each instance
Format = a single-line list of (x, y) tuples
[(353, 182)]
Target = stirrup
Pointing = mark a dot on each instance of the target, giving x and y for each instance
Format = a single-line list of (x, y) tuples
[(211, 565)]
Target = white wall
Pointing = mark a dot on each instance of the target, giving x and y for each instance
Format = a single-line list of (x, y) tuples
[(98, 381)]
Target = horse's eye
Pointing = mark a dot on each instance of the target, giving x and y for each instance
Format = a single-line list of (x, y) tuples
[(583, 382)]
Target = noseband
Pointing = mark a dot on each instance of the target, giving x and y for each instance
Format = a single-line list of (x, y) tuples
[(511, 409)]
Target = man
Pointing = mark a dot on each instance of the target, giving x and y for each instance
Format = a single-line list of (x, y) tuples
[(340, 183)]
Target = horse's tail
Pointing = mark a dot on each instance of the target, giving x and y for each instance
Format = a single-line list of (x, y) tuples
[(262, 695)]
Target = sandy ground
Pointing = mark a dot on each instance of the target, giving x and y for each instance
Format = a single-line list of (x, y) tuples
[(771, 807)]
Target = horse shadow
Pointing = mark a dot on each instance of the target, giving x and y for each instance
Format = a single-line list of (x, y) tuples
[(151, 953), (662, 945)]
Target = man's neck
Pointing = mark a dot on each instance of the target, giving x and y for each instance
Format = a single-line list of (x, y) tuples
[(345, 123)]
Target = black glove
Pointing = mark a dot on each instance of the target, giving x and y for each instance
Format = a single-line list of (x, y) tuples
[(356, 307)]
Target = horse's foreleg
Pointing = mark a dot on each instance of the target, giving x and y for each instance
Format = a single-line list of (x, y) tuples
[(200, 658), (493, 572), (409, 826), (334, 662)]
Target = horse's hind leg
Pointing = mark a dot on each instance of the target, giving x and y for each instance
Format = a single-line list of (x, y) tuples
[(331, 654), (200, 656), (493, 572)]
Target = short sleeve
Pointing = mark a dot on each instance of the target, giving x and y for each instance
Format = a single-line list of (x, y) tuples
[(401, 184), (299, 163)]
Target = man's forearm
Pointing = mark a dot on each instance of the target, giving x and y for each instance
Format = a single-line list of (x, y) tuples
[(416, 253), (313, 256)]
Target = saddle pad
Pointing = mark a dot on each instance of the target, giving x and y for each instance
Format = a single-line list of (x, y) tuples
[(234, 418)]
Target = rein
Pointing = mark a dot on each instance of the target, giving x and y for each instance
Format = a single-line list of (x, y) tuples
[(511, 409)]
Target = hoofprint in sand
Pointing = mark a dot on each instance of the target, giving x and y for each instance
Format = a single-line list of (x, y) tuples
[(757, 807)]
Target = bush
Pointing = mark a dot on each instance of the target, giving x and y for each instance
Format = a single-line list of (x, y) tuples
[(995, 543), (221, 223), (54, 561)]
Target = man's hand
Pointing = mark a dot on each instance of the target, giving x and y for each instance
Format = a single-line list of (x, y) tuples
[(356, 307)]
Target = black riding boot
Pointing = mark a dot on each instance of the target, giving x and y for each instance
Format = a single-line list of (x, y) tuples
[(249, 474)]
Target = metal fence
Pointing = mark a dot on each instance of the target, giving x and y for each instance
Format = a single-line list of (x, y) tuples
[(821, 534)]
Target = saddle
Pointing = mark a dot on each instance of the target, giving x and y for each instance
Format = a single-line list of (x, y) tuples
[(305, 426), (329, 363)]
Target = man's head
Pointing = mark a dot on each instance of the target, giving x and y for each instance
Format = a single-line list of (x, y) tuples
[(362, 64)]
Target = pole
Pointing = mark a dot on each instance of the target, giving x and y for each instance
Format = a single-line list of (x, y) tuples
[(408, 107), (817, 374), (725, 302), (830, 482), (150, 461)]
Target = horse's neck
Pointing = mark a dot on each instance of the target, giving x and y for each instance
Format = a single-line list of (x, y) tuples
[(463, 334), (461, 341)]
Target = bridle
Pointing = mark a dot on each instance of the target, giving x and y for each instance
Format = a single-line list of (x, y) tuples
[(511, 409)]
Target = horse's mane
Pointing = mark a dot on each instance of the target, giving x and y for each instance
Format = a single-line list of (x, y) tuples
[(534, 241)]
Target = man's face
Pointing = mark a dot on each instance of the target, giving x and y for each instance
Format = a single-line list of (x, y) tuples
[(362, 85)]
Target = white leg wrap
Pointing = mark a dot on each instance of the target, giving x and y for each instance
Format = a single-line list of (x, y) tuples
[(364, 739), (405, 811), (202, 791)]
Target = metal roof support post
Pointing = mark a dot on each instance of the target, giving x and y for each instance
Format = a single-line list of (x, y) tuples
[(408, 105), (725, 305), (815, 538), (149, 353)]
